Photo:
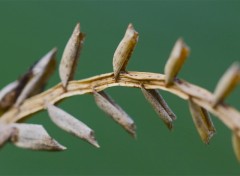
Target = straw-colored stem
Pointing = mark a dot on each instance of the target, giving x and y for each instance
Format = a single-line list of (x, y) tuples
[(228, 115)]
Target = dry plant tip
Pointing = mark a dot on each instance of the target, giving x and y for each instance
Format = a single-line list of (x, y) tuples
[(175, 61), (71, 125), (202, 121), (227, 83), (70, 56), (160, 106), (107, 105), (124, 50)]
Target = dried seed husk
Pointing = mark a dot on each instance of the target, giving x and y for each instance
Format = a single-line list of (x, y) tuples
[(107, 104), (124, 50), (160, 106), (71, 125), (236, 145), (5, 133), (41, 72), (175, 61), (35, 137), (71, 55), (202, 121), (227, 83)]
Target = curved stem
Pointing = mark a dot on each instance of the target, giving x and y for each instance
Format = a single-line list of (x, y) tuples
[(228, 115)]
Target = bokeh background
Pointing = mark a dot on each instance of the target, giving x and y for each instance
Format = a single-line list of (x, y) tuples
[(29, 29)]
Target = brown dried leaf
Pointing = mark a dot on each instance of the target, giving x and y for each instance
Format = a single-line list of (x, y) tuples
[(236, 145), (160, 106), (70, 124), (227, 83), (41, 72), (202, 121), (71, 55), (35, 137), (176, 60), (107, 104), (124, 50)]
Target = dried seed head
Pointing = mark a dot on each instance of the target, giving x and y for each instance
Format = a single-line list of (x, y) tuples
[(71, 125), (227, 83), (124, 50), (176, 60), (160, 106), (202, 121), (107, 104), (33, 137), (41, 72), (236, 145), (71, 55)]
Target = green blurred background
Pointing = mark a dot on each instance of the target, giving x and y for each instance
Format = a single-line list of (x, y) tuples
[(211, 28)]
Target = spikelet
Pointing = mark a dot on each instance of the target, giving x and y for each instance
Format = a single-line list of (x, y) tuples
[(72, 125), (35, 137), (227, 83), (107, 104), (70, 56), (236, 145), (41, 72), (124, 51), (160, 106), (176, 60), (202, 121)]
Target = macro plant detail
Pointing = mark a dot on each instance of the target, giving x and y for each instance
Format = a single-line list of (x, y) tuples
[(26, 96)]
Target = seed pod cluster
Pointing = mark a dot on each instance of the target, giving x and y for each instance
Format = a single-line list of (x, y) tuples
[(124, 51), (16, 104)]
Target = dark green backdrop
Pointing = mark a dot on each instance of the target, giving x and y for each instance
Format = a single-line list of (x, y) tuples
[(29, 29)]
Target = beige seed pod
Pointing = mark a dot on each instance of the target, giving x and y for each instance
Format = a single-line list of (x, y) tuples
[(71, 55), (160, 106), (41, 72), (107, 104), (35, 137), (202, 121), (124, 50), (176, 60), (71, 125), (236, 145), (227, 83)]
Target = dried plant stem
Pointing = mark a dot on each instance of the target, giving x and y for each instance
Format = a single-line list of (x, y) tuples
[(183, 89)]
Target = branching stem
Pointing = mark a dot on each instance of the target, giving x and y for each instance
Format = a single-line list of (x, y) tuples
[(228, 115)]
